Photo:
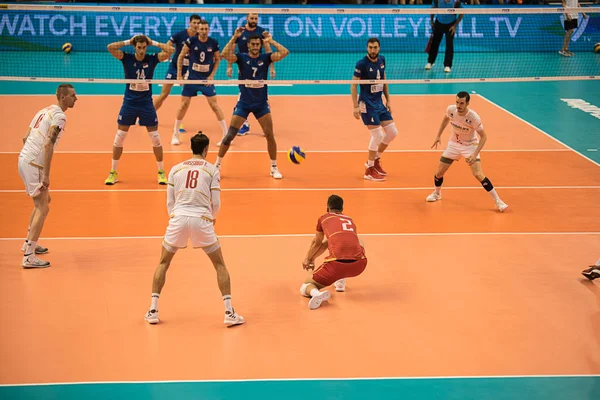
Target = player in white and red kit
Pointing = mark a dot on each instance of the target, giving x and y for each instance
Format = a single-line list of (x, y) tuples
[(193, 202), (338, 233), (35, 159), (463, 142)]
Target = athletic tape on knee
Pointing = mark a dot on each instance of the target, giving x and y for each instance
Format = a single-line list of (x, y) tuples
[(390, 133), (231, 134), (212, 248), (376, 138), (154, 138), (303, 290), (170, 249), (120, 138)]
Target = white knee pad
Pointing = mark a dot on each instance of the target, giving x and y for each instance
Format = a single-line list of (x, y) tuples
[(212, 248), (170, 249), (377, 136), (154, 138), (303, 290), (120, 138), (390, 133)]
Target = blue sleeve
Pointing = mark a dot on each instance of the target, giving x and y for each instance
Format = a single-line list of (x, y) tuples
[(126, 58), (216, 44), (154, 58), (239, 60), (358, 70), (267, 58), (188, 42)]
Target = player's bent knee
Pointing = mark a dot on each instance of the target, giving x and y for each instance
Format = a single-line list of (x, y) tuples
[(377, 136), (120, 138), (169, 248), (212, 248), (154, 138), (391, 132), (303, 289), (231, 134)]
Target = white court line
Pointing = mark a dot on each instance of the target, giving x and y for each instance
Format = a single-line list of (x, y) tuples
[(275, 189), (287, 235), (538, 129), (374, 378)]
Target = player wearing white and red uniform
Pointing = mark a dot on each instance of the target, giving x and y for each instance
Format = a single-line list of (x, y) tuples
[(35, 159), (193, 203), (463, 142), (336, 232)]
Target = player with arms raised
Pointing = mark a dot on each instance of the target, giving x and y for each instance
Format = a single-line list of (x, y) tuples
[(137, 103), (369, 106), (193, 202), (45, 130), (336, 232), (463, 142), (253, 97)]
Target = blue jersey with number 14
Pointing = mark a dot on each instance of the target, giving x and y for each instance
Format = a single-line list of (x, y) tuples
[(253, 69), (134, 69)]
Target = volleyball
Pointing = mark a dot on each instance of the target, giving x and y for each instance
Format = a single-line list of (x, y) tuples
[(296, 155), (597, 48), (67, 47)]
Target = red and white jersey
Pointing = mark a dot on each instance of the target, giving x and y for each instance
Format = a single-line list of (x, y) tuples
[(40, 127), (192, 182), (342, 237), (464, 127)]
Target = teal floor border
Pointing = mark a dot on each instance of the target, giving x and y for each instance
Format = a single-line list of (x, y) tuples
[(517, 388)]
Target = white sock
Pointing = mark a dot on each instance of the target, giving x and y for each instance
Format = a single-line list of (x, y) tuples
[(115, 164), (30, 248), (223, 127), (227, 301), (314, 292), (273, 163), (176, 128), (161, 165), (438, 189), (370, 163), (218, 162), (154, 305), (494, 194)]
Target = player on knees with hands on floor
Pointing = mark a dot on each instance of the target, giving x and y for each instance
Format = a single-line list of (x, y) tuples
[(338, 233)]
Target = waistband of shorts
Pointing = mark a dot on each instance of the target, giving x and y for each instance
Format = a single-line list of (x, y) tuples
[(35, 165)]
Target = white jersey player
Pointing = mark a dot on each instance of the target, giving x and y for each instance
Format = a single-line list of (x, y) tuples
[(193, 203), (35, 159), (464, 142)]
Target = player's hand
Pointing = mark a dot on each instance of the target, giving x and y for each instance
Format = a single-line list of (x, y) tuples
[(45, 183), (267, 37), (214, 222), (471, 159), (389, 107), (229, 72), (435, 144), (273, 74), (585, 16), (210, 78), (238, 32), (452, 29), (356, 112), (308, 264)]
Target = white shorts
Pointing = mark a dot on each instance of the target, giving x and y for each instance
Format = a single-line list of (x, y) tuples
[(455, 151), (200, 230), (32, 177)]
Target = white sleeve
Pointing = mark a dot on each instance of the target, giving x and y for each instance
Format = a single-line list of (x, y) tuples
[(170, 192), (449, 111), (477, 124), (215, 196)]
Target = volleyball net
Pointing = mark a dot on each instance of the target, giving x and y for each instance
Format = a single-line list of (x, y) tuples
[(490, 44)]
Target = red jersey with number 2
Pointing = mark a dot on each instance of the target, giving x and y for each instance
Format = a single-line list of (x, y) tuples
[(342, 237)]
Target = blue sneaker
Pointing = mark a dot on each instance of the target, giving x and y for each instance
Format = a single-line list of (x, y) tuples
[(244, 129)]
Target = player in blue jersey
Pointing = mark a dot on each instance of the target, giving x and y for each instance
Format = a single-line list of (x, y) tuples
[(204, 58), (177, 41), (253, 97), (369, 105), (251, 28), (137, 103)]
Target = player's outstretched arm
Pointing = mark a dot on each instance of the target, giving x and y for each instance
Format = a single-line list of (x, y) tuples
[(482, 139), (26, 135), (354, 95), (114, 48), (281, 53), (313, 250), (184, 52), (228, 50)]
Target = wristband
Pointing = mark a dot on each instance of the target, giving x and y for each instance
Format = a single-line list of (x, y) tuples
[(126, 42)]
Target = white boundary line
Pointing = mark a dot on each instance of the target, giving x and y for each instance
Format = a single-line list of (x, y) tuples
[(375, 378), (538, 129), (276, 189), (288, 235)]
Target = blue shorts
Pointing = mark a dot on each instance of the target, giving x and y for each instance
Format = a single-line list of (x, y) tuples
[(172, 72), (259, 110), (129, 114), (192, 90), (375, 117)]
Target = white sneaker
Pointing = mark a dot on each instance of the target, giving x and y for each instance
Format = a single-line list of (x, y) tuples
[(316, 301), (340, 285), (219, 143), (275, 173), (501, 206), (152, 317), (32, 261), (447, 69), (428, 66), (233, 319), (38, 249), (175, 140), (434, 197)]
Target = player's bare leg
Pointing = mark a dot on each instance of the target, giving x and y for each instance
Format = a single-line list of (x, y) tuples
[(487, 185), (158, 282), (311, 288), (389, 134), (266, 123), (166, 90), (41, 209), (183, 107), (117, 152), (377, 136), (234, 127), (231, 317), (214, 106), (158, 153), (438, 178), (38, 249)]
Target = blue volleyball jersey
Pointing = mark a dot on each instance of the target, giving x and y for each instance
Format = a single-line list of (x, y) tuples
[(242, 41), (253, 69), (178, 40), (371, 93), (134, 69), (202, 57)]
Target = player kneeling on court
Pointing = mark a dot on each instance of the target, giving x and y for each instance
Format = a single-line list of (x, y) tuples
[(193, 202), (336, 232), (463, 142)]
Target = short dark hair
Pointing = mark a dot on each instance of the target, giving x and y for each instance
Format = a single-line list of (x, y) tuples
[(139, 39), (199, 143), (255, 36), (203, 22), (63, 89), (373, 40), (464, 95), (195, 16), (335, 202)]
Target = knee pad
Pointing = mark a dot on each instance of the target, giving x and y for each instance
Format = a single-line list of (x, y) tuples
[(120, 138), (212, 248), (231, 134), (303, 290), (170, 249), (376, 138), (154, 138), (390, 133)]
